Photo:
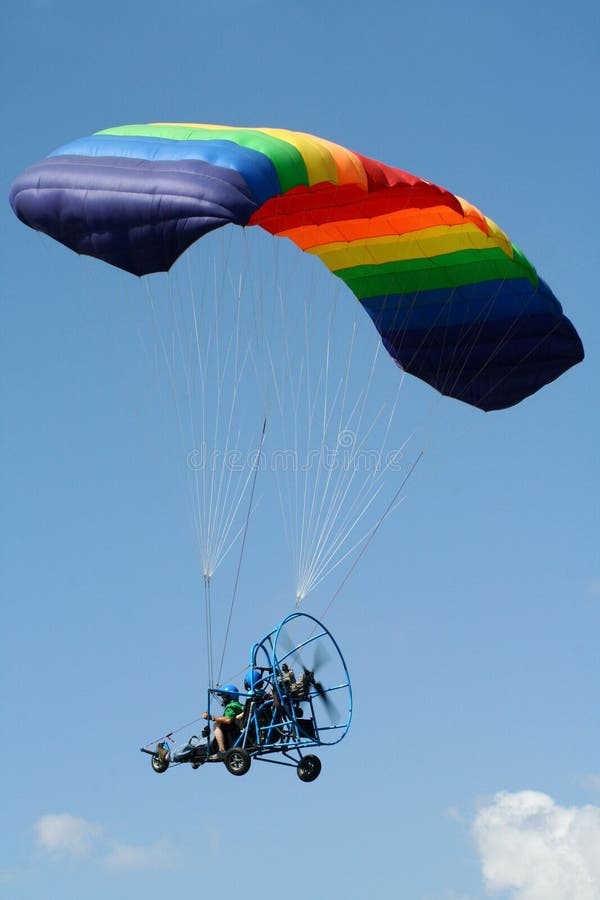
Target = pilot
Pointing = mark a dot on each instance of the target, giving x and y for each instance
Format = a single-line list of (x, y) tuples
[(227, 725), (226, 730)]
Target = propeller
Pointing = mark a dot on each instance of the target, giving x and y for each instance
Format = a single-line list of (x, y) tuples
[(320, 691), (320, 658)]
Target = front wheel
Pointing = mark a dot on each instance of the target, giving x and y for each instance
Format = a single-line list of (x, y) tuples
[(309, 768), (158, 765), (237, 761)]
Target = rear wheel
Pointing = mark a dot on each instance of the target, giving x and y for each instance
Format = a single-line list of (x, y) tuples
[(309, 768), (237, 761)]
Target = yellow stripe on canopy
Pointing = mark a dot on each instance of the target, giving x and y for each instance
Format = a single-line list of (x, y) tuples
[(500, 237), (350, 168), (425, 244), (319, 162)]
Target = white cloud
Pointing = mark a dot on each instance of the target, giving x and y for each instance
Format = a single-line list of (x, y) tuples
[(64, 833), (159, 855), (538, 850), (67, 835), (595, 587)]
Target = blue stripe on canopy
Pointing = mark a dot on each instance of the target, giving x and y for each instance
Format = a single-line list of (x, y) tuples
[(255, 168), (492, 358)]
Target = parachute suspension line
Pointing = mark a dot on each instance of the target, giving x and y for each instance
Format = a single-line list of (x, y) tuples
[(425, 424), (318, 517), (335, 482), (197, 506), (341, 489), (288, 524), (305, 564), (245, 533), (221, 363), (328, 524), (240, 367), (284, 386), (217, 412), (190, 395), (284, 405), (199, 495), (328, 563), (208, 623), (169, 362), (291, 384), (310, 407), (224, 522), (372, 534), (170, 359)]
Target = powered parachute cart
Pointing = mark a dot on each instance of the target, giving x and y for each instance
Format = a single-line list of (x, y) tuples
[(297, 697)]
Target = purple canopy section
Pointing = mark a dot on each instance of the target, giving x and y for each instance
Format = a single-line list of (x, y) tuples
[(140, 215)]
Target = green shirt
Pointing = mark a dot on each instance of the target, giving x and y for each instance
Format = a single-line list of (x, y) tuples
[(232, 709)]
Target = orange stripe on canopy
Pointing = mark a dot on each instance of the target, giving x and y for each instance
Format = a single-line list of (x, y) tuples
[(350, 168), (401, 222)]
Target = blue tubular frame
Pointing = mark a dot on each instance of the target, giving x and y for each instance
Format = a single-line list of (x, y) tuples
[(273, 725), (344, 686)]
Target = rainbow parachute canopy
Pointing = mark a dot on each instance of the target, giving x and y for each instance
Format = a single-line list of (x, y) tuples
[(455, 302)]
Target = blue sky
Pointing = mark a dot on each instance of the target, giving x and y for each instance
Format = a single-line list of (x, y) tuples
[(471, 626)]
